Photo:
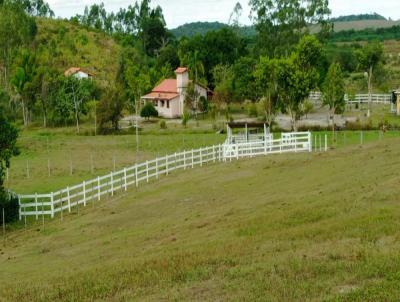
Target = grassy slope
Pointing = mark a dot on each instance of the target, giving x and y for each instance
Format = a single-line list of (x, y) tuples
[(73, 45), (283, 228)]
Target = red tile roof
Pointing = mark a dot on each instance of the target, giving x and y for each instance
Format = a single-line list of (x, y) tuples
[(181, 70), (161, 96), (169, 85)]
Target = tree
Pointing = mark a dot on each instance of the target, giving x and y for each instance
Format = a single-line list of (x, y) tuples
[(191, 98), (148, 111), (23, 82), (77, 92), (16, 29), (266, 79), (334, 91), (297, 76), (244, 81), (369, 58), (282, 23), (110, 109), (223, 92), (8, 149)]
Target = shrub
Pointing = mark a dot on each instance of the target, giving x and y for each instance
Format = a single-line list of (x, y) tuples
[(185, 119), (148, 111), (9, 202), (163, 125)]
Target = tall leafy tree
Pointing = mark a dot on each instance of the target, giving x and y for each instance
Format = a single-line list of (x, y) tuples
[(282, 23), (110, 109), (266, 75), (369, 58), (334, 91), (16, 29), (8, 148)]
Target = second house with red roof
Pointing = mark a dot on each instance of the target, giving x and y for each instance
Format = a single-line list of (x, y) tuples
[(169, 96)]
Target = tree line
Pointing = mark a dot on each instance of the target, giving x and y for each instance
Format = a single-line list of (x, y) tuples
[(276, 69)]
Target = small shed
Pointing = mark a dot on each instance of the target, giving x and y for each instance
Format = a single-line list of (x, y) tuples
[(248, 132)]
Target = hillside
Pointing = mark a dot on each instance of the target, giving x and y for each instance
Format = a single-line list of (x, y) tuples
[(342, 23), (63, 44), (276, 228)]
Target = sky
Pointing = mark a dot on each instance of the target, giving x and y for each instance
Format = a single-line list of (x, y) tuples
[(178, 12)]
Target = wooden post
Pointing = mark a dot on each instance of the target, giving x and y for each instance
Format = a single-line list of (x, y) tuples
[(237, 151), (4, 228), (157, 176), (68, 200), (201, 157), (52, 204), (184, 159), (166, 164), (320, 143), (112, 183), (326, 142), (125, 182), (84, 193), (136, 176), (192, 159), (49, 167), (36, 206), (42, 214), (147, 171), (27, 169), (98, 189)]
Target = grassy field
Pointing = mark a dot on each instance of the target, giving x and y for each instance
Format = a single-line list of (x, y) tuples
[(299, 227), (73, 159)]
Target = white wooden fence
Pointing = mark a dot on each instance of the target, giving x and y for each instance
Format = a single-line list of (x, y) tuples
[(93, 190), (358, 98)]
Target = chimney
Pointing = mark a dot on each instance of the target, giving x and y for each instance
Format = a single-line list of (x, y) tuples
[(182, 78)]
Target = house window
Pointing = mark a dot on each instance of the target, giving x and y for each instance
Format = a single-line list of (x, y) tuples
[(167, 104), (155, 102), (162, 103)]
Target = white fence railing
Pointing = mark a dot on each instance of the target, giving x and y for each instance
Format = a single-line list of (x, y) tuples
[(93, 190), (358, 98)]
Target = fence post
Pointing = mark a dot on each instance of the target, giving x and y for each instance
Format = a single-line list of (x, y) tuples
[(36, 206), (326, 142), (214, 156), (184, 159), (147, 170), (192, 159), (69, 200), (84, 193), (136, 177), (309, 142), (42, 214), (112, 183), (219, 152), (125, 182), (166, 164), (20, 209), (52, 204), (237, 151), (98, 188), (320, 143), (201, 157), (157, 176)]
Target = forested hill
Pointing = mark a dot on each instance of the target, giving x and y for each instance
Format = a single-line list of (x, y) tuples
[(64, 44), (201, 28), (360, 17), (342, 23)]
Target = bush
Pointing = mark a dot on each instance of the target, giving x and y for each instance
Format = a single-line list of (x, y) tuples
[(148, 111), (9, 202), (185, 119), (163, 125)]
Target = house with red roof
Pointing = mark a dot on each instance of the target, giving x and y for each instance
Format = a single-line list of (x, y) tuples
[(169, 96), (78, 73)]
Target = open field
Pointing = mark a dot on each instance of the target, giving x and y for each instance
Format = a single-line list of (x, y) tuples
[(89, 156), (299, 227)]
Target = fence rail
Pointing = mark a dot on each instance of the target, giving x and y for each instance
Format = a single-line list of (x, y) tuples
[(93, 190), (358, 98)]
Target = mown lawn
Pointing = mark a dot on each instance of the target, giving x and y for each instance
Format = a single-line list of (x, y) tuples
[(298, 227)]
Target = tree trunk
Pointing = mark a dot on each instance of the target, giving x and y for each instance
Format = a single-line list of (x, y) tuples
[(369, 89), (333, 126)]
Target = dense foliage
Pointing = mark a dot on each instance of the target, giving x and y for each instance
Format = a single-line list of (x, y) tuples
[(359, 17)]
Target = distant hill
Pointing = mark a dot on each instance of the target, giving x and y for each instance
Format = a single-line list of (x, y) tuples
[(360, 17), (201, 28), (342, 23)]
